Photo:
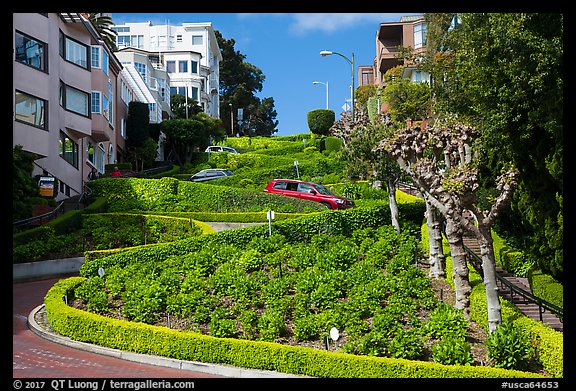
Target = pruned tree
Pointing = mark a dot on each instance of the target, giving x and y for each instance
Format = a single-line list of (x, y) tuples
[(440, 160)]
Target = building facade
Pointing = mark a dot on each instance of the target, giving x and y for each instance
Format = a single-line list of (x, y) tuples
[(409, 32), (189, 53), (70, 98)]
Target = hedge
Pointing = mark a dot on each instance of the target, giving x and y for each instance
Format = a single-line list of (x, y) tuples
[(188, 345)]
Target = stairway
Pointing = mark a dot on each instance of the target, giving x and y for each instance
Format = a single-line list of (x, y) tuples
[(527, 307)]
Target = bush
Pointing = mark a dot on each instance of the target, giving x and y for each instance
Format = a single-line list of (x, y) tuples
[(451, 350), (508, 346), (320, 121)]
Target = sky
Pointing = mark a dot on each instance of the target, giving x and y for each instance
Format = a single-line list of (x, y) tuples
[(286, 48)]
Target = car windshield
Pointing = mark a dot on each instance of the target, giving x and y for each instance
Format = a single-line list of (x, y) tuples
[(322, 190)]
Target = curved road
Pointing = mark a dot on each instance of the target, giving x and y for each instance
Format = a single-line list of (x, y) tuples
[(36, 357)]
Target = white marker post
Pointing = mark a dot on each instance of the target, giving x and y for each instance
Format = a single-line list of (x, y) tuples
[(296, 164), (270, 215)]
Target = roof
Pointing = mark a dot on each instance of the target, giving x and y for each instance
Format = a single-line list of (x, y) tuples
[(411, 18)]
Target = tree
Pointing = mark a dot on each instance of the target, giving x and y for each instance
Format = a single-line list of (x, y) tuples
[(137, 130), (320, 121), (23, 187), (103, 24), (183, 107), (507, 69), (448, 175), (185, 136), (240, 81)]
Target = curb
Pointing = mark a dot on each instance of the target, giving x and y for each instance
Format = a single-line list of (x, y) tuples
[(195, 366)]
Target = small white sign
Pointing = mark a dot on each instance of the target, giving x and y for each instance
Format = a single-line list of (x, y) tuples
[(270, 215), (295, 162), (101, 272), (334, 334)]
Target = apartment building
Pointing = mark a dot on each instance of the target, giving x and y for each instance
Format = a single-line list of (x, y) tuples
[(188, 52), (70, 98), (410, 31)]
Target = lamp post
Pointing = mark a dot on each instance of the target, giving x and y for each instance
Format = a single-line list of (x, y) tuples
[(231, 119), (326, 84), (325, 53)]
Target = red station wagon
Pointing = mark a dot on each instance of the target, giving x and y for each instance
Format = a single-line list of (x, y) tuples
[(308, 191)]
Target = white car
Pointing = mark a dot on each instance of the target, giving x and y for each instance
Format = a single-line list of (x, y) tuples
[(218, 148)]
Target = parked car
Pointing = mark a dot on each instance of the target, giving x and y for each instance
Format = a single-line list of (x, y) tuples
[(210, 174), (308, 191), (218, 148)]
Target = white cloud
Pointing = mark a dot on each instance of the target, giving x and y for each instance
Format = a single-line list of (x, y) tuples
[(303, 23)]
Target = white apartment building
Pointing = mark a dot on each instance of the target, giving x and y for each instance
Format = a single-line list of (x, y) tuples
[(189, 53)]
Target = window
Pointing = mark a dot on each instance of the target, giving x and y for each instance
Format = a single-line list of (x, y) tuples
[(194, 66), (182, 91), (170, 66), (95, 56), (68, 149), (419, 35), (95, 102), (136, 41), (111, 98), (105, 62), (179, 38), (74, 100), (183, 66), (30, 52), (31, 110), (105, 107), (141, 68), (195, 93), (121, 29), (197, 40), (73, 51), (125, 93)]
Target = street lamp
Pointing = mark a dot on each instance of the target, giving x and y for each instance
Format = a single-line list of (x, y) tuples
[(231, 119), (325, 53), (326, 84)]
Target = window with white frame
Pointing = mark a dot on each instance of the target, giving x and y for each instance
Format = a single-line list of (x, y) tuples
[(141, 68), (195, 93), (101, 157), (74, 100), (197, 40), (170, 66), (96, 102), (182, 66), (105, 62), (95, 56), (194, 66), (111, 105), (419, 35), (178, 37), (31, 110)]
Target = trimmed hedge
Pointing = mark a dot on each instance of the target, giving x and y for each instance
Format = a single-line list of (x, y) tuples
[(188, 345)]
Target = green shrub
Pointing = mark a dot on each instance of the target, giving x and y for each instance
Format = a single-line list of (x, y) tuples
[(451, 350), (445, 321), (509, 347), (320, 121)]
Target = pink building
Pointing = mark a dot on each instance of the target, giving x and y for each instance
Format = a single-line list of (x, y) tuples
[(66, 90)]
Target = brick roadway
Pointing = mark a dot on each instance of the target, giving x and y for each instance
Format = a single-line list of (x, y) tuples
[(36, 357)]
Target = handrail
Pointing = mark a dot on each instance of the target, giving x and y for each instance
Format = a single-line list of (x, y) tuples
[(528, 297), (33, 219)]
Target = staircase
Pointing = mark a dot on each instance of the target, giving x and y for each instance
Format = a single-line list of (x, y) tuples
[(521, 296)]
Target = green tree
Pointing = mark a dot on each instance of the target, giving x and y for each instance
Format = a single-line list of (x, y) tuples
[(240, 81), (185, 136), (103, 24), (183, 107), (320, 121), (137, 131), (506, 69), (23, 187), (407, 99)]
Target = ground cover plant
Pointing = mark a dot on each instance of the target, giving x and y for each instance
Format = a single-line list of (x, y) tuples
[(366, 285)]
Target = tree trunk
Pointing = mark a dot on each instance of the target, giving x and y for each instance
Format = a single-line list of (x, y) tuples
[(436, 253), (393, 204), (459, 265), (489, 270)]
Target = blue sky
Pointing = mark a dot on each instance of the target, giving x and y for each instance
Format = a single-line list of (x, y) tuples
[(286, 47)]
